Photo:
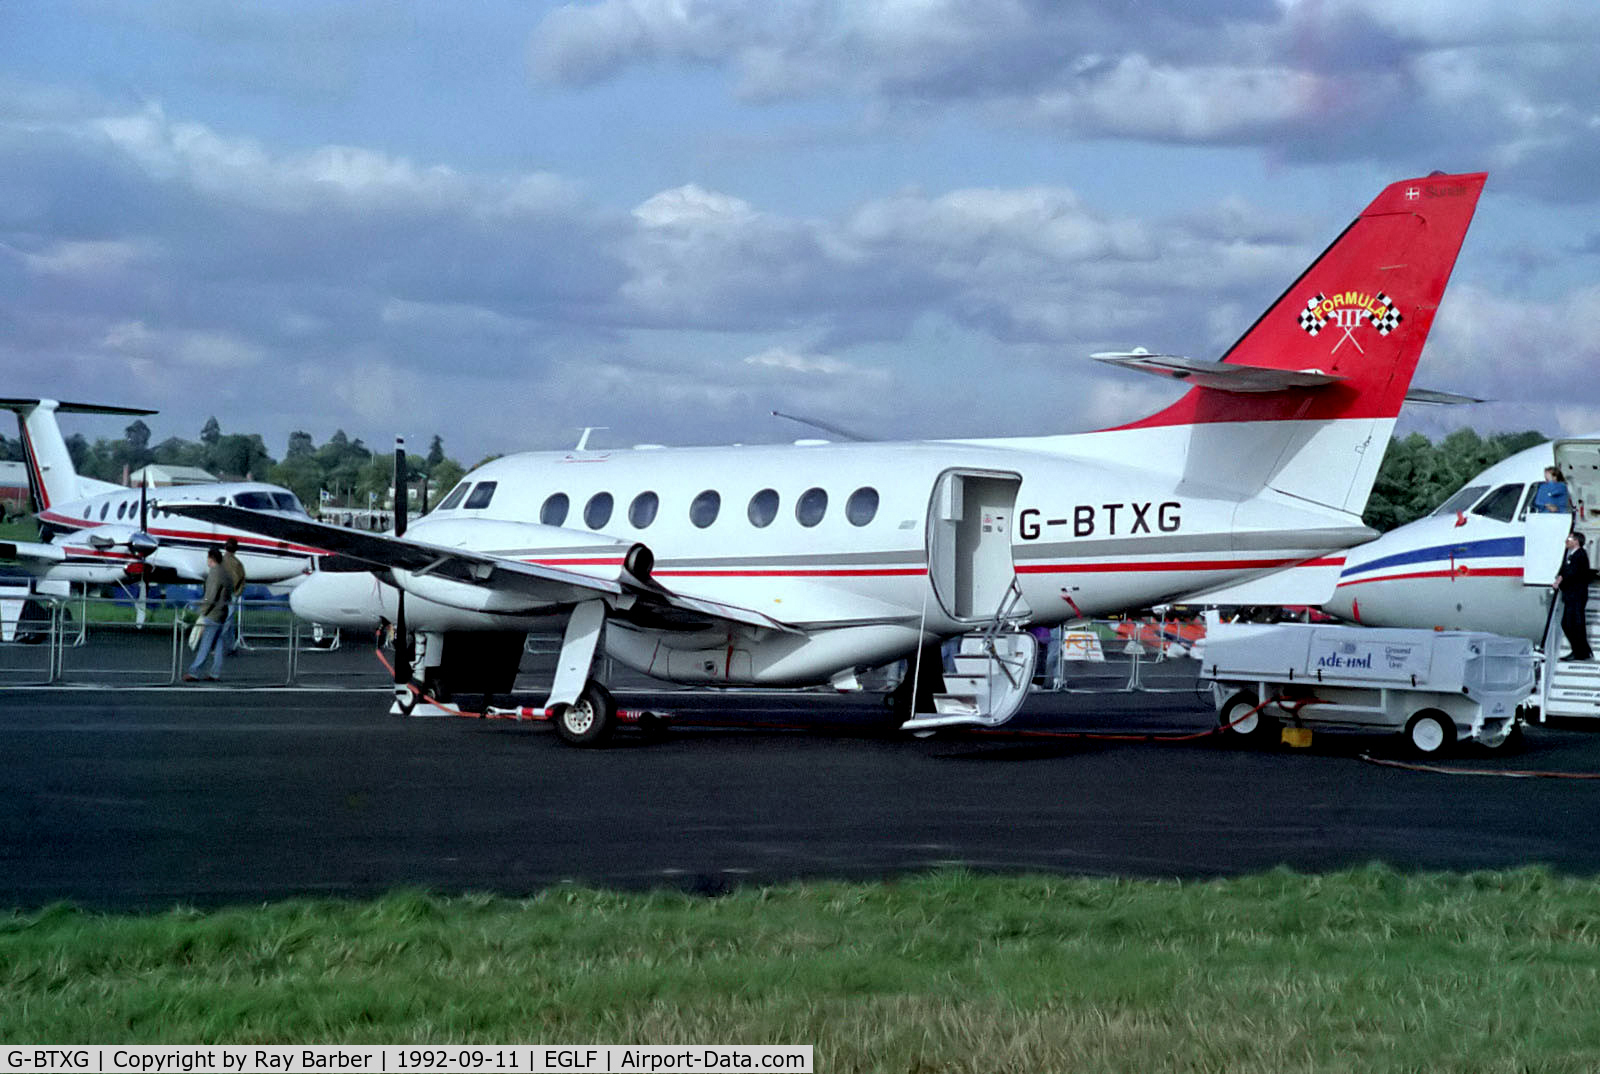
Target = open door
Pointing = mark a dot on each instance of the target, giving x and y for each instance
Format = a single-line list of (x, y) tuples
[(969, 544), (1579, 461)]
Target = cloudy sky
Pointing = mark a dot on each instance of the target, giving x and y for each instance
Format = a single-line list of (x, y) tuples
[(503, 221)]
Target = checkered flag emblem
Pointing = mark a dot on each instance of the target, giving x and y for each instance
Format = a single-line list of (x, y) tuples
[(1309, 319), (1389, 319)]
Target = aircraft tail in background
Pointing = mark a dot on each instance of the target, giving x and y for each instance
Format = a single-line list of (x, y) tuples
[(51, 476)]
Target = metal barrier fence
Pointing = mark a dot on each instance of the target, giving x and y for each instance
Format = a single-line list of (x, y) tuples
[(104, 641), (101, 641)]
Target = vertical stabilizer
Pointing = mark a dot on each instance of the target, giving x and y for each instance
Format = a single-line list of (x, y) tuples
[(51, 477), (1361, 313)]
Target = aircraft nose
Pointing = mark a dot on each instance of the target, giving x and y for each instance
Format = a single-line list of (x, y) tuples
[(318, 597)]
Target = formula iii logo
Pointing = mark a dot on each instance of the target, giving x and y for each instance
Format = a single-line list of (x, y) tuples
[(1348, 311)]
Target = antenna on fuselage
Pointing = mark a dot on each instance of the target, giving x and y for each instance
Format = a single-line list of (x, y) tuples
[(827, 427), (583, 440)]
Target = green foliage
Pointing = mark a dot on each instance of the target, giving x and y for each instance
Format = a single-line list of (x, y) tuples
[(1418, 475), (1367, 969), (345, 468)]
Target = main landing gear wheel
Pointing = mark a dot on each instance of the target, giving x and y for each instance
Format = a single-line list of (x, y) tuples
[(590, 720), (1429, 733), (1243, 725)]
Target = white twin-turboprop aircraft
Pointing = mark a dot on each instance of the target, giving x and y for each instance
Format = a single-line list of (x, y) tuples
[(98, 533), (802, 564)]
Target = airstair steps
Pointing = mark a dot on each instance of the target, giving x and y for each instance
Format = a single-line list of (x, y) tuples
[(989, 684), (1574, 689)]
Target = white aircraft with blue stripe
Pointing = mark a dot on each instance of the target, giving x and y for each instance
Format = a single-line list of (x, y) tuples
[(1486, 558)]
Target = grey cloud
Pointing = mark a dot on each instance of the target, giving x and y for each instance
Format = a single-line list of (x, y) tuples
[(1465, 84)]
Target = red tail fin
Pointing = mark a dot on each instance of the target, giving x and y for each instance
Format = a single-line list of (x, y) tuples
[(1361, 311)]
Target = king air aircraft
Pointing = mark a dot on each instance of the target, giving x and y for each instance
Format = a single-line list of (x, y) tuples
[(98, 533), (803, 564)]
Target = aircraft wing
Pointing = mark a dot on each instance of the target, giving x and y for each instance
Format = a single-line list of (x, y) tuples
[(476, 580)]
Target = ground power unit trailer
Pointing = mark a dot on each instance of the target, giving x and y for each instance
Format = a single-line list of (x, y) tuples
[(1436, 687)]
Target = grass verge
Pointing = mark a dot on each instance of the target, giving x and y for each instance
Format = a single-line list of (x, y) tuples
[(1366, 970)]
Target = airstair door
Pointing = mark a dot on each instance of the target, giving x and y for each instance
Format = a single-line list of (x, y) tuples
[(1579, 461), (969, 544)]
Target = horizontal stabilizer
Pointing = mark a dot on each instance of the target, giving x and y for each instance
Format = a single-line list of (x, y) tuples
[(1310, 584), (1430, 395), (74, 408), (1230, 377)]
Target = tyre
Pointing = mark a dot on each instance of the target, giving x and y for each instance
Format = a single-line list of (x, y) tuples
[(590, 720), (1429, 733), (1246, 726)]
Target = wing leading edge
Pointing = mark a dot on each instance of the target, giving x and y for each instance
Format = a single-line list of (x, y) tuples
[(504, 582)]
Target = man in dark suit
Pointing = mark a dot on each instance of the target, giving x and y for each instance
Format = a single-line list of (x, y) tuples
[(1573, 581)]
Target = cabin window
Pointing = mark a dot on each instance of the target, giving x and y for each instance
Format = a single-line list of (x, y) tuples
[(1461, 500), (704, 508), (481, 495), (457, 494), (763, 508), (597, 512), (1501, 504), (554, 511), (642, 511), (122, 510), (810, 507), (103, 509), (862, 506)]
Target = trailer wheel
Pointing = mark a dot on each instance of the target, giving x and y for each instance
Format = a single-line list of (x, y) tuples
[(1429, 733), (1253, 728), (590, 720)]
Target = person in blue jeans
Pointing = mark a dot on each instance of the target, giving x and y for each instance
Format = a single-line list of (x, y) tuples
[(213, 612)]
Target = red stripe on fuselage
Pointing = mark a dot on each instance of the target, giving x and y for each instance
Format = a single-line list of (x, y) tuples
[(1459, 572)]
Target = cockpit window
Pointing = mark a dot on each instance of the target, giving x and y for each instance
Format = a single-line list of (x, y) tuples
[(456, 496), (254, 501), (1461, 500), (481, 495), (286, 501), (1501, 504)]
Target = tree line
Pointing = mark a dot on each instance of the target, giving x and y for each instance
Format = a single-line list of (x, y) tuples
[(346, 469), (1416, 476)]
